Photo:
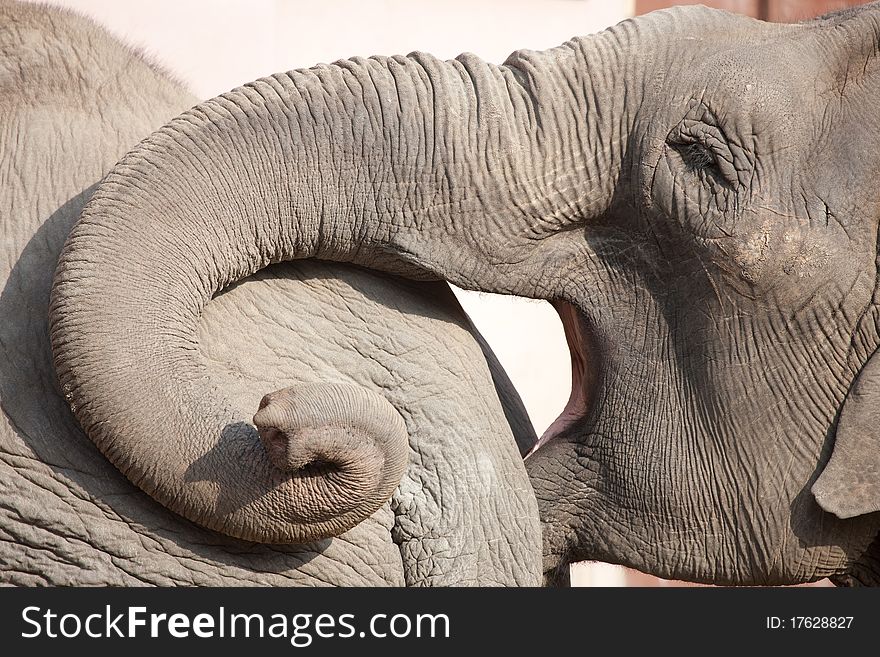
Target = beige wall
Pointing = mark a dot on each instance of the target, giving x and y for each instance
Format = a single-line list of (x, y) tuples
[(215, 45)]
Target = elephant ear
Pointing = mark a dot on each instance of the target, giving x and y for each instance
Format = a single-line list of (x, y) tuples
[(850, 484)]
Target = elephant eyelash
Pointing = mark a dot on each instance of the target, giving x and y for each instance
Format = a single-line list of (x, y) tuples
[(697, 156)]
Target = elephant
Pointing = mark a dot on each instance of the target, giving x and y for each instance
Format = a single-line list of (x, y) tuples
[(692, 190), (461, 510)]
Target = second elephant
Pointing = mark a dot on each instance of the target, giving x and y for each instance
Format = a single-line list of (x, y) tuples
[(72, 101)]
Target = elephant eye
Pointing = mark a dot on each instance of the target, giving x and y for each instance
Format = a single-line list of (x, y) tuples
[(696, 156), (704, 150)]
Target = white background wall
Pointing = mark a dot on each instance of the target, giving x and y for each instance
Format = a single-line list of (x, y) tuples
[(215, 45)]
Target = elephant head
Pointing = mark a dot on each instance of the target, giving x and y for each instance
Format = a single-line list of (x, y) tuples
[(723, 315), (693, 190)]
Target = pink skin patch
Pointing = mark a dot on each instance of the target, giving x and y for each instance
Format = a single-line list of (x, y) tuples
[(581, 380)]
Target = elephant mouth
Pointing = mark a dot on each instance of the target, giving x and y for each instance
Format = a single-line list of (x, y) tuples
[(583, 374)]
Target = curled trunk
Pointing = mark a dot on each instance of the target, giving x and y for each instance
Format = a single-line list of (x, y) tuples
[(460, 170)]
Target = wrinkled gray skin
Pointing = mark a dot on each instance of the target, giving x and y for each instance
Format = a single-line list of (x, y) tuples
[(696, 191), (72, 102)]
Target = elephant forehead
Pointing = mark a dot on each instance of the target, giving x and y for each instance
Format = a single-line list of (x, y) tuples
[(310, 322)]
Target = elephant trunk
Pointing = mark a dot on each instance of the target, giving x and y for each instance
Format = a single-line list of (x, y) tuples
[(460, 170), (353, 463)]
